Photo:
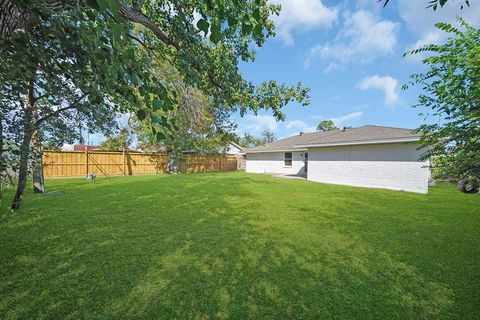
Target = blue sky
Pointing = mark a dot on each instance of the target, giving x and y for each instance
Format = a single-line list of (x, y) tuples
[(350, 55)]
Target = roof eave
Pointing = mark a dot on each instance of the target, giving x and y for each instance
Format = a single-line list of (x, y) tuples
[(237, 146), (271, 151), (360, 142)]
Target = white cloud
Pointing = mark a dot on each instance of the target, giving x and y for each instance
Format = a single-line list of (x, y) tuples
[(421, 21), (256, 124), (300, 126), (387, 84), (302, 15), (346, 119), (363, 38)]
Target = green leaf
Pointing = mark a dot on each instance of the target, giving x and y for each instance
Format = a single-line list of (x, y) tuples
[(157, 120), (168, 104), (216, 33), (161, 137), (258, 30), (135, 79), (117, 32), (203, 25), (141, 114), (231, 22), (157, 104), (256, 14)]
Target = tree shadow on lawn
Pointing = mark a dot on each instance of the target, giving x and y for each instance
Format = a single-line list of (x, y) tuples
[(198, 247)]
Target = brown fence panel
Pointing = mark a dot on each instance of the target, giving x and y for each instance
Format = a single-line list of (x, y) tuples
[(64, 164), (106, 163), (146, 163), (197, 163), (102, 163)]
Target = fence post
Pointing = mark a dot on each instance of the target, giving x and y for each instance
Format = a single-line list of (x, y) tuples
[(86, 162), (124, 164)]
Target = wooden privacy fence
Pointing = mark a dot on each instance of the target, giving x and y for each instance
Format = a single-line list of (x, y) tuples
[(102, 163)]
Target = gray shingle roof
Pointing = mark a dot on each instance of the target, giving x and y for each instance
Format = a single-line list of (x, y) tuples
[(365, 134)]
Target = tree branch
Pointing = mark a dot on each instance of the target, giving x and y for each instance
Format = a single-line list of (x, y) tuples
[(143, 44), (59, 110), (136, 16)]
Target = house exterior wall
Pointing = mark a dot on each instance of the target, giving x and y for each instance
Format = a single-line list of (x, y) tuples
[(390, 166), (273, 162)]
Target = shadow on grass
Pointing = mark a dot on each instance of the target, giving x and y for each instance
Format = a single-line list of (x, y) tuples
[(200, 246)]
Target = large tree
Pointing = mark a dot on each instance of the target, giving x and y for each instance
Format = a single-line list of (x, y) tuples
[(199, 125), (202, 40), (57, 70), (451, 96)]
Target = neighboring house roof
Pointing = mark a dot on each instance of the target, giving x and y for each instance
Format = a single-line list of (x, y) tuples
[(368, 134), (240, 148), (83, 147)]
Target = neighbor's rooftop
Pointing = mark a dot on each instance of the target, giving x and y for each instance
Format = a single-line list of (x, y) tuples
[(369, 134)]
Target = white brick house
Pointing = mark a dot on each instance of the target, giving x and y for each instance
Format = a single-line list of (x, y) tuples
[(368, 156)]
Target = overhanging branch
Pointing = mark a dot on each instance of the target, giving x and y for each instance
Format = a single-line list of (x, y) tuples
[(73, 105), (137, 16), (14, 16)]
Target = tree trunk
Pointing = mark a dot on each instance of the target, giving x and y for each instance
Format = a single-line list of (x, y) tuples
[(12, 17), (28, 131), (37, 166), (38, 181), (24, 156)]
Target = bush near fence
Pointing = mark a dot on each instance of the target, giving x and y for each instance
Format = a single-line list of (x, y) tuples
[(102, 163)]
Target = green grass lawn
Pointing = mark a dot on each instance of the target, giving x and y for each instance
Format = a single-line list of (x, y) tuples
[(236, 245)]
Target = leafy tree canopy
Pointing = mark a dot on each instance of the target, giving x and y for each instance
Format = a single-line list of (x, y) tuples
[(120, 141), (249, 141), (326, 125), (268, 136), (203, 40), (200, 127), (451, 95)]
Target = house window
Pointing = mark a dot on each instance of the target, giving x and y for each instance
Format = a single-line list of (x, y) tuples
[(288, 159)]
